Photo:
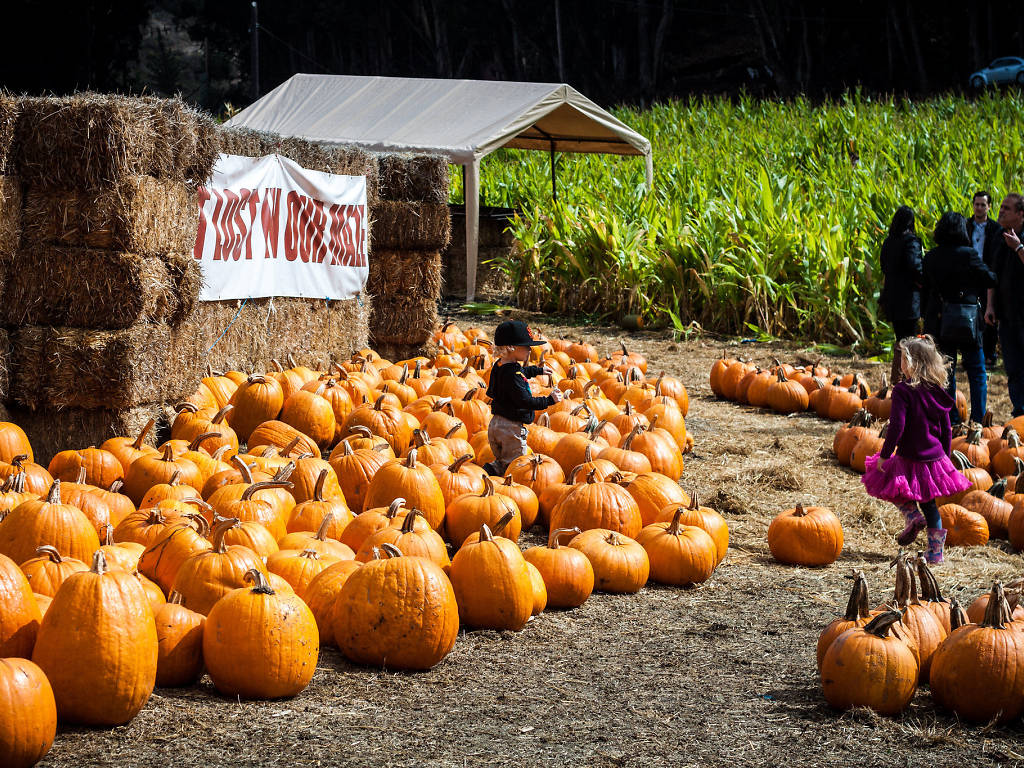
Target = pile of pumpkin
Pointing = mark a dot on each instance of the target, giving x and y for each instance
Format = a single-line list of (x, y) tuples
[(990, 457), (787, 388), (973, 662), (346, 507)]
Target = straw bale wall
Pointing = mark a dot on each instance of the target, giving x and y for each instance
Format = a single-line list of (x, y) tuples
[(415, 178), (10, 108), (10, 215)]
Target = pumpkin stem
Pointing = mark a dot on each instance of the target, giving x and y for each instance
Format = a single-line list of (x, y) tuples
[(957, 617), (255, 487), (456, 465), (53, 497), (176, 598), (485, 533), (997, 612), (390, 549), (393, 507), (260, 584), (219, 416), (879, 626), (409, 523), (553, 536), (16, 483), (186, 406), (243, 469), (50, 552), (200, 439), (175, 478), (168, 453), (284, 473), (108, 535), (613, 539), (929, 584), (488, 487), (99, 562), (410, 460), (857, 607), (321, 532), (799, 511), (675, 526), (223, 525), (80, 479)]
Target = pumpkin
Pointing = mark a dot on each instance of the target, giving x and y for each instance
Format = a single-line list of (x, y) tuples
[(371, 521), (257, 400), (718, 369), (652, 493), (492, 583), (47, 521), (786, 396), (128, 449), (458, 478), (978, 671), (705, 518), (850, 434), (149, 470), (963, 527), (857, 615), (260, 643), (299, 567), (869, 667), (431, 452), (918, 620), (411, 534), (536, 472), (567, 573), (179, 634), (596, 504), (679, 554), (283, 436), (37, 479), (991, 506), (468, 512), (384, 420), (660, 449), (973, 447), (308, 515), (28, 713), (178, 542), (354, 470), (979, 478), (13, 442), (101, 467), (879, 404), (12, 493), (104, 621), (48, 570), (124, 555), (412, 481), (412, 621), (524, 498), (1003, 462), (218, 433), (259, 510), (19, 611), (620, 564), (322, 594), (207, 576), (808, 536), (931, 594), (312, 415)]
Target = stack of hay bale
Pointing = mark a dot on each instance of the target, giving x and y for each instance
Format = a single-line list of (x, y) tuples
[(10, 222), (249, 335), (411, 226), (102, 278), (495, 243)]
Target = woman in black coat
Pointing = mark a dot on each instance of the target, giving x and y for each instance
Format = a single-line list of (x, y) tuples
[(955, 274), (901, 269)]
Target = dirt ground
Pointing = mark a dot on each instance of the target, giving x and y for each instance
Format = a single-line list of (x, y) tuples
[(723, 673)]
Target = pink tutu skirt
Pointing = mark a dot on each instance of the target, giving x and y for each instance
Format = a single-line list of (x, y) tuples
[(902, 480)]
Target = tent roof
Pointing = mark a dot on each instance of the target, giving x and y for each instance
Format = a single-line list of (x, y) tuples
[(462, 120)]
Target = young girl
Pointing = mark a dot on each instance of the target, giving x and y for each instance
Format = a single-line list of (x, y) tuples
[(512, 402), (920, 434)]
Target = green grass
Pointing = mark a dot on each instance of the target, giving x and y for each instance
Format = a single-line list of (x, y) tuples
[(766, 217)]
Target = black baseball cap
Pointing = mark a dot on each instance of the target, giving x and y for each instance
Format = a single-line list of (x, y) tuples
[(515, 333)]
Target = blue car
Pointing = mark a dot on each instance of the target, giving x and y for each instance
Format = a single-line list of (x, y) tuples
[(1008, 69)]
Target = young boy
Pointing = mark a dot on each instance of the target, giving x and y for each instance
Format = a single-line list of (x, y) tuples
[(513, 404)]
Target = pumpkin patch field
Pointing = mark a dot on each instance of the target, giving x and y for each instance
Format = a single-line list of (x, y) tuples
[(573, 661)]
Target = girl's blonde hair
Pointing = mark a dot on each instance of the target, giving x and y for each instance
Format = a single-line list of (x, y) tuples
[(924, 361)]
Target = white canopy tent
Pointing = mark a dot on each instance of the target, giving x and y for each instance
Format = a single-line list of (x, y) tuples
[(463, 120)]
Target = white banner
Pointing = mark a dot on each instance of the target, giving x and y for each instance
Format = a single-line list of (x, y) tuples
[(268, 227)]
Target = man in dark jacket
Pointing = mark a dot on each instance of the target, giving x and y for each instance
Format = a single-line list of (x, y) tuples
[(1005, 304), (986, 237)]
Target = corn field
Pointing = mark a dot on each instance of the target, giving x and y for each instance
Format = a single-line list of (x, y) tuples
[(766, 218)]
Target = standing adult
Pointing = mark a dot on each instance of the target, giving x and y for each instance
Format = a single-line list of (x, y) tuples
[(986, 237), (901, 270), (954, 278), (1004, 301)]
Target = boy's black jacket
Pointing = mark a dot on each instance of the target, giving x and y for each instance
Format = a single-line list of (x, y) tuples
[(511, 394)]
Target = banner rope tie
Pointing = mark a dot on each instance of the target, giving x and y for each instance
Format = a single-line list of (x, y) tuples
[(240, 307)]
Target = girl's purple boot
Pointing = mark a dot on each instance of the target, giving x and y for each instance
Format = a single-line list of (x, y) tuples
[(936, 543)]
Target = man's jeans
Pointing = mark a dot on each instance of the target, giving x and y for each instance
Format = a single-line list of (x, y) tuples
[(1011, 337), (972, 357)]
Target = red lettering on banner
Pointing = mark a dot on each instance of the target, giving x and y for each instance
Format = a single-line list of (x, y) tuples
[(347, 239), (270, 218), (359, 213), (237, 226), (254, 204), (337, 214), (316, 227), (197, 249), (291, 226), (224, 215)]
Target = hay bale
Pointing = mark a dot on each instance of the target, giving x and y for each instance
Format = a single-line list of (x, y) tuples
[(186, 278), (414, 178), (410, 226), (414, 273), (5, 352), (10, 212), (10, 107), (141, 214), (97, 369), (313, 330), (88, 288), (51, 430), (328, 158), (397, 352), (91, 140), (492, 283), (402, 319)]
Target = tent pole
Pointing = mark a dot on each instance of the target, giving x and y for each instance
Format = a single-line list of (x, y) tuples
[(472, 189), (554, 190)]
